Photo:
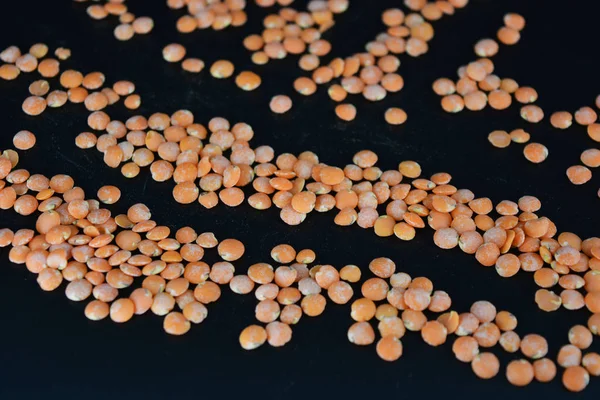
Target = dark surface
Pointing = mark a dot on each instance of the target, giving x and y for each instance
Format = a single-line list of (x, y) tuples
[(50, 348)]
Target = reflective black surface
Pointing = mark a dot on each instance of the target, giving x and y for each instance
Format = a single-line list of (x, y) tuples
[(50, 348)]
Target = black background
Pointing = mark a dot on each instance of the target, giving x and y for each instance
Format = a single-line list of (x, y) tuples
[(49, 347)]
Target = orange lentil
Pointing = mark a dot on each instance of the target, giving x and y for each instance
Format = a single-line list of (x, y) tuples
[(361, 333), (345, 112), (253, 337), (416, 47), (142, 300), (9, 72), (476, 71), (446, 238), (207, 292), (591, 362), (124, 32), (133, 101), (529, 203), (336, 92), (222, 272), (350, 273), (308, 62), (483, 310), (10, 54), (509, 85), (519, 136), (547, 300), (585, 116), (487, 334), (492, 83), (24, 140), (122, 310), (514, 21), (526, 95), (267, 311), (194, 65), (568, 356), (283, 253), (575, 378), (322, 75), (253, 42), (173, 52), (485, 365), (395, 116), (280, 104), (49, 279), (392, 17), (434, 333), (592, 301), (382, 267), (532, 113), (49, 68), (389, 348), (313, 304), (475, 100), (363, 309), (593, 131), (57, 98), (221, 69), (247, 80), (175, 323), (580, 336), (34, 105), (544, 370), (374, 289), (278, 333), (443, 87), (534, 346), (579, 174), (340, 292), (290, 314), (305, 86), (26, 63), (325, 275), (260, 58), (507, 265), (519, 372), (389, 323), (186, 24), (261, 273), (77, 95), (465, 348), (468, 323), (510, 341), (275, 50), (143, 25), (97, 310), (499, 99), (486, 48), (591, 158), (93, 80), (535, 152), (561, 119), (450, 320), (453, 103)]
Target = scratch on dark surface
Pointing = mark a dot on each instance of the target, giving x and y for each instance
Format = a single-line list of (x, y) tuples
[(64, 157), (145, 184)]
